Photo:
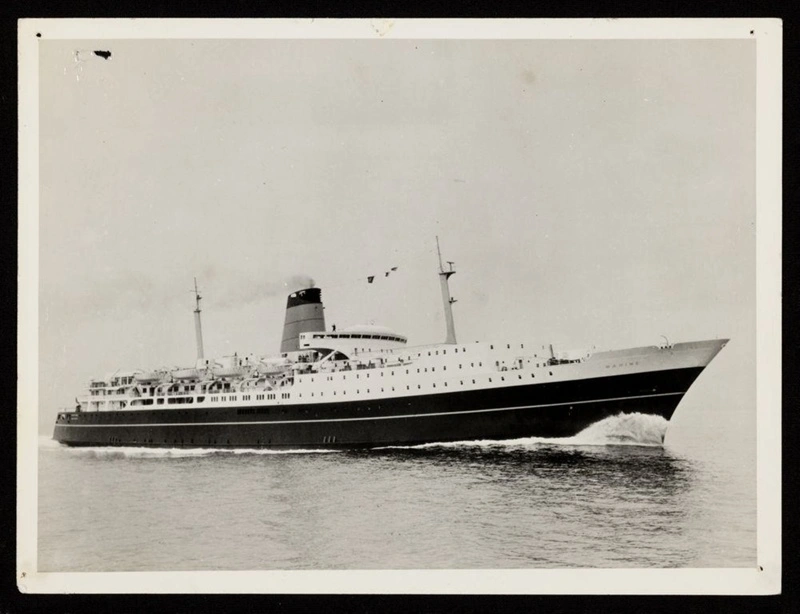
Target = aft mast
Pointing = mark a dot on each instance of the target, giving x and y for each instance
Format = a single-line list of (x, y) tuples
[(447, 300), (198, 329)]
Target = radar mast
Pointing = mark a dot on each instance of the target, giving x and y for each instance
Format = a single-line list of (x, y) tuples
[(447, 300), (198, 328)]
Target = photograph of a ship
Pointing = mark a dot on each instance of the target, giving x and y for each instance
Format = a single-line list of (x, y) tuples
[(395, 303), (362, 386)]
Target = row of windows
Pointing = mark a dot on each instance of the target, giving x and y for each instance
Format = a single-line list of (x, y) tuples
[(360, 336), (330, 378), (142, 402), (419, 386), (183, 400)]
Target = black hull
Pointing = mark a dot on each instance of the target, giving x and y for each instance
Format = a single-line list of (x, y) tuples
[(559, 409)]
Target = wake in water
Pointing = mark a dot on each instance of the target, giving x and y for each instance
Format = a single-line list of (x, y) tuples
[(621, 430), (143, 452)]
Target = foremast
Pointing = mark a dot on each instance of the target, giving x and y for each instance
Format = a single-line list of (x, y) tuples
[(198, 328), (447, 300)]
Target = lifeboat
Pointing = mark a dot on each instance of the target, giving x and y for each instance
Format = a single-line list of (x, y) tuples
[(182, 374), (273, 367), (229, 367), (148, 377), (233, 371)]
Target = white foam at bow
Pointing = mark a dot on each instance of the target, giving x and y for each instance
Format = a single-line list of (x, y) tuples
[(621, 430)]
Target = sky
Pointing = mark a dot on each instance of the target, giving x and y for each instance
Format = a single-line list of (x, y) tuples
[(590, 192)]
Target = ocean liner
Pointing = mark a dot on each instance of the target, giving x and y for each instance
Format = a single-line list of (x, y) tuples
[(365, 387)]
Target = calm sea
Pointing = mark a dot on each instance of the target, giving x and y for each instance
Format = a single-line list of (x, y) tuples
[(609, 497)]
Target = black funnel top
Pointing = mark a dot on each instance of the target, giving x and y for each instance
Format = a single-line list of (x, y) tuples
[(308, 296)]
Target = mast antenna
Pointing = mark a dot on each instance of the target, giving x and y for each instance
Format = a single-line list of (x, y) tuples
[(197, 296), (198, 328), (444, 276)]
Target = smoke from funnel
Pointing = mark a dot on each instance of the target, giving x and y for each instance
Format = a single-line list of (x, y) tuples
[(237, 289), (298, 282)]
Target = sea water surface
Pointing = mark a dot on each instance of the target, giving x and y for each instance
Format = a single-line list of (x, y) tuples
[(613, 496)]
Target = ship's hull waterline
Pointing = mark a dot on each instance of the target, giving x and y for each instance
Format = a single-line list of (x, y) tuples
[(556, 409)]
